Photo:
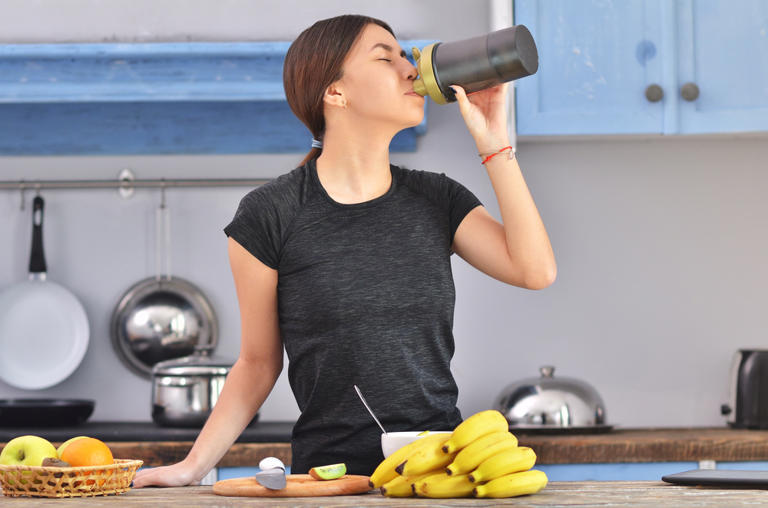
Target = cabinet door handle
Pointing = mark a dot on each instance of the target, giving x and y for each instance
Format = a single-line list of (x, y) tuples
[(690, 91), (654, 93)]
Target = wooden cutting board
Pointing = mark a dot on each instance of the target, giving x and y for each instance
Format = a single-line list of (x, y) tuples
[(297, 485)]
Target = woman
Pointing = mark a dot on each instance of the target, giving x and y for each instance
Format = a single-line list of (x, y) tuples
[(345, 261)]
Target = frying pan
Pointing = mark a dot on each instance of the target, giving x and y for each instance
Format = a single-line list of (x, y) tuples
[(44, 412), (43, 327)]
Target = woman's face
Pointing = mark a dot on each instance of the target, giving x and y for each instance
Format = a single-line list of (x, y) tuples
[(377, 79)]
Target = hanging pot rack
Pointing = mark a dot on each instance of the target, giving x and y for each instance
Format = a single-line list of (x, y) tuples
[(126, 183)]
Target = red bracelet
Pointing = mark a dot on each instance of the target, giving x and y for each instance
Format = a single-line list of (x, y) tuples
[(494, 154)]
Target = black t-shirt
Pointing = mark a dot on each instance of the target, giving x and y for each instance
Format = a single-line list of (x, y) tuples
[(365, 297)]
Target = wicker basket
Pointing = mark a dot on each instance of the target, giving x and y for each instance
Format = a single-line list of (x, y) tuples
[(68, 481)]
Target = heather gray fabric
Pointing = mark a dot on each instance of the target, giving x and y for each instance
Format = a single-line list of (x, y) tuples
[(365, 297)]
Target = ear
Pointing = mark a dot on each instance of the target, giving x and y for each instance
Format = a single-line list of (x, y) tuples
[(334, 96)]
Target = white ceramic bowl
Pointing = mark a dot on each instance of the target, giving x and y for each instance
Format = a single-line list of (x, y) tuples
[(392, 441)]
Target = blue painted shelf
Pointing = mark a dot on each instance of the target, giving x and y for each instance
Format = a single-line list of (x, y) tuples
[(154, 98)]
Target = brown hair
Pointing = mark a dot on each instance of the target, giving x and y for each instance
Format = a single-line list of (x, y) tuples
[(314, 61)]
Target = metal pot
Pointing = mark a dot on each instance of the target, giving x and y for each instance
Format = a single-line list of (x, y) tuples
[(184, 390), (163, 317), (552, 403)]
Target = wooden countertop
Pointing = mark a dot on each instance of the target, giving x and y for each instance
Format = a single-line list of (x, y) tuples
[(582, 494), (621, 445)]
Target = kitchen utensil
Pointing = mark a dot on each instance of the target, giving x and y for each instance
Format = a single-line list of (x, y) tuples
[(44, 330), (748, 405), (44, 412), (272, 474), (552, 403), (184, 390), (475, 64), (297, 485), (720, 478), (163, 317), (362, 399)]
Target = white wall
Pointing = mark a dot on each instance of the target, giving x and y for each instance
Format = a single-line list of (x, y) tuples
[(660, 242)]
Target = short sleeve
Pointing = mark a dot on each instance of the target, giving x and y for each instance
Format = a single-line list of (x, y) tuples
[(255, 226), (460, 202)]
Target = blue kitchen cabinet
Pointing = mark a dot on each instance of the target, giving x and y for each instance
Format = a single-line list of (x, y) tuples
[(723, 50), (600, 61)]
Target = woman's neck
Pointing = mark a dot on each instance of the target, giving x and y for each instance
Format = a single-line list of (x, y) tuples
[(351, 175)]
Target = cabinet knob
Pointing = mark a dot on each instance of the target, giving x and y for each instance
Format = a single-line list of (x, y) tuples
[(690, 91), (654, 93)]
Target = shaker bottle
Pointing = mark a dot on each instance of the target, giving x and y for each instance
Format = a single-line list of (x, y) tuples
[(475, 64)]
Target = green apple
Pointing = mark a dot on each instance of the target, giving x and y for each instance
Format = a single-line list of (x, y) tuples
[(63, 445), (27, 451)]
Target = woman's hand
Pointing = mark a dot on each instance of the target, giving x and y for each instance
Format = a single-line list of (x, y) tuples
[(485, 113), (176, 475)]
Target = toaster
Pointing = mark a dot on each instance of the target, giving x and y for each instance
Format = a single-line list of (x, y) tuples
[(748, 405)]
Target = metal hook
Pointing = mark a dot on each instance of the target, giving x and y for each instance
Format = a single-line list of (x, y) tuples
[(162, 193)]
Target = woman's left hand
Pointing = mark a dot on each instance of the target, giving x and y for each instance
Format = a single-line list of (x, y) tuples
[(485, 113)]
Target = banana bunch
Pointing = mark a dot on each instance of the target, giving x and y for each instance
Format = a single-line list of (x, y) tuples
[(479, 458)]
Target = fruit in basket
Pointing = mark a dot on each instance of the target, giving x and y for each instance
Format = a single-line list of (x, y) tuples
[(63, 445), (87, 451), (474, 427), (53, 462), (27, 451)]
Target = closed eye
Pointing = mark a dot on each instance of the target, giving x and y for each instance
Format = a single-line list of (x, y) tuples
[(387, 59)]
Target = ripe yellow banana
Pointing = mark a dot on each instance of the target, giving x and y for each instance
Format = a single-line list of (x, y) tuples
[(480, 449), (505, 462), (385, 471), (476, 426), (404, 486), (399, 486), (443, 485), (425, 459), (515, 484)]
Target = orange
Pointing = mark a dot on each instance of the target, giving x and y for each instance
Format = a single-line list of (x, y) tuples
[(87, 451)]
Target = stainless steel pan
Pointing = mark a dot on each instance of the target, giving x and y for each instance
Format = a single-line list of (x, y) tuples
[(162, 317)]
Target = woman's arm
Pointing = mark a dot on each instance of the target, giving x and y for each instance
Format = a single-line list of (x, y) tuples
[(249, 381), (518, 251)]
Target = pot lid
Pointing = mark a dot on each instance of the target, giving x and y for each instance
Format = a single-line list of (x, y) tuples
[(550, 402), (201, 363)]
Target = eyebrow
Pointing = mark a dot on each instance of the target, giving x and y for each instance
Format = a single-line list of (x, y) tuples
[(387, 47)]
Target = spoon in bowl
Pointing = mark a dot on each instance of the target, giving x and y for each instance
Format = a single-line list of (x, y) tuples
[(362, 399)]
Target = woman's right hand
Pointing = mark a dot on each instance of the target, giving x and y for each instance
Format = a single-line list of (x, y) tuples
[(176, 475)]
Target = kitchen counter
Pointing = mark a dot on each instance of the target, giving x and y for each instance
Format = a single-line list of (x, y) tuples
[(582, 494), (157, 445)]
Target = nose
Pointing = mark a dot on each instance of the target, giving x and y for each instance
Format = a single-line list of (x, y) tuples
[(413, 71)]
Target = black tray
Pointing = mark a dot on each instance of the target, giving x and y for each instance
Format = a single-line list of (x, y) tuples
[(592, 429), (720, 478), (44, 412)]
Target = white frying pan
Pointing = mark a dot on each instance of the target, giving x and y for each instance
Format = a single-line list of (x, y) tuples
[(43, 327)]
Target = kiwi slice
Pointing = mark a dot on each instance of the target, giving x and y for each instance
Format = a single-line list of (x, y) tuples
[(329, 472)]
